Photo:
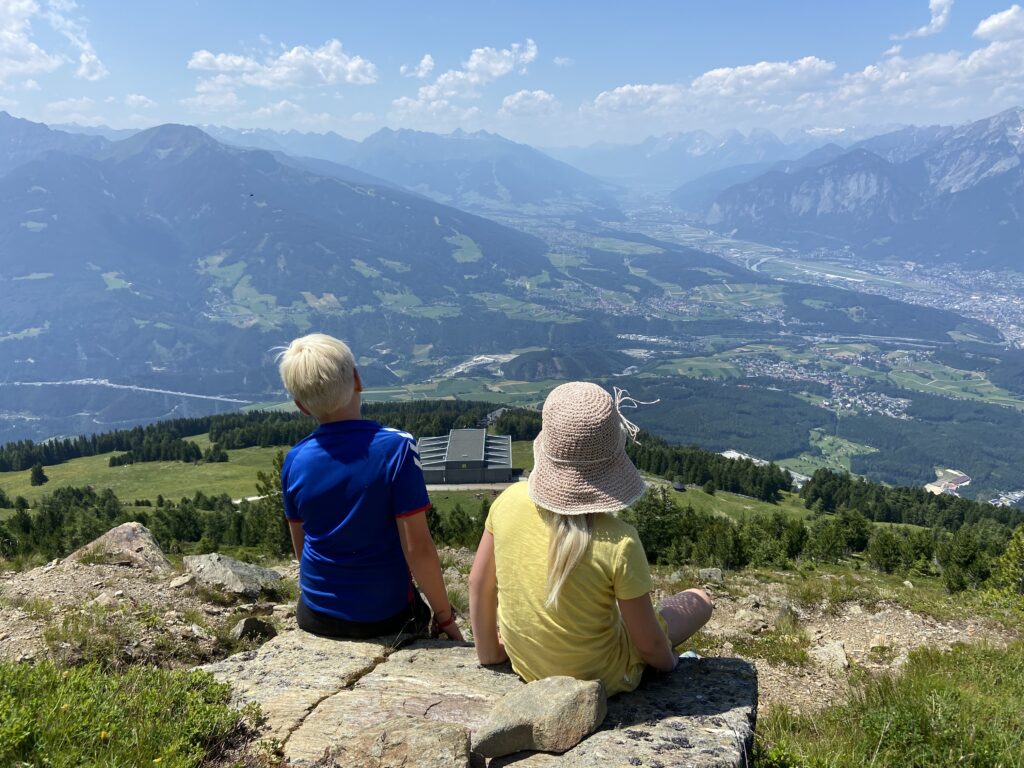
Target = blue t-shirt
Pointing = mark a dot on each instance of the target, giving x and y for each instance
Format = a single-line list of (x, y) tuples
[(346, 483)]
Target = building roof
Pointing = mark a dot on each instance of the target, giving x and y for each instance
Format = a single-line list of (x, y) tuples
[(465, 445)]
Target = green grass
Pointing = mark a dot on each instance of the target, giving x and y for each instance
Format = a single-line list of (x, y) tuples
[(958, 708), (84, 717), (702, 368), (466, 249), (114, 281), (737, 507), (146, 480), (832, 452), (936, 379), (522, 454)]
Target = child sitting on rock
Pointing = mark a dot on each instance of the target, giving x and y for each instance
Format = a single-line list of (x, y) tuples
[(565, 581), (355, 501)]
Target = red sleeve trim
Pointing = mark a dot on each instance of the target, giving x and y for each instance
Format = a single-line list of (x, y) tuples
[(293, 519), (412, 512)]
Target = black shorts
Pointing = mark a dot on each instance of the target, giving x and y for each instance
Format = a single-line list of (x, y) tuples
[(413, 619)]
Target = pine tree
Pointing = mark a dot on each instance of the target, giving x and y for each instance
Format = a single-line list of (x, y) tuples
[(37, 476)]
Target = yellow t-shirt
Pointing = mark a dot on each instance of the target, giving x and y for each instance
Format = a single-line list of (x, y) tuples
[(583, 636)]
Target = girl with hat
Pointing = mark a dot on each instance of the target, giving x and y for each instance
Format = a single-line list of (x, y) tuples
[(560, 585)]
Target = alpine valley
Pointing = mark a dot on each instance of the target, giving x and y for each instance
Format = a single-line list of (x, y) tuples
[(767, 300)]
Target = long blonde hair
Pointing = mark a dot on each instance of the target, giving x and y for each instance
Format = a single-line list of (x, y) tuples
[(570, 537)]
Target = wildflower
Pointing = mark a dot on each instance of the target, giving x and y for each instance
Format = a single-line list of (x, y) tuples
[(104, 735)]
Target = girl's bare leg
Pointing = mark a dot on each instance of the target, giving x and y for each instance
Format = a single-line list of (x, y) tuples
[(685, 613)]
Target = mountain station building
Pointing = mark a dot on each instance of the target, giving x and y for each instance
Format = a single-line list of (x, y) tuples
[(467, 456)]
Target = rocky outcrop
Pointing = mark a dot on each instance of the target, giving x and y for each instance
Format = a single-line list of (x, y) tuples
[(550, 715), (329, 697), (129, 544), (230, 575)]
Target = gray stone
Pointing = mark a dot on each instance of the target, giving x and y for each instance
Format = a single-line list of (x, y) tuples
[(437, 679), (404, 741), (832, 656), (105, 600), (289, 675), (550, 715), (128, 544), (226, 573), (710, 576), (908, 584), (700, 716), (182, 581), (251, 628), (749, 621)]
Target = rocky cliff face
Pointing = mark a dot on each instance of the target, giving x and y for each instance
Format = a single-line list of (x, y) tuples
[(939, 194)]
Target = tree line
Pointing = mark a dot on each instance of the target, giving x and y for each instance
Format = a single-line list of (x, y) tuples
[(829, 491)]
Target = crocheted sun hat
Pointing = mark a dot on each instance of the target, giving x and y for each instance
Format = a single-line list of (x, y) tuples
[(579, 458)]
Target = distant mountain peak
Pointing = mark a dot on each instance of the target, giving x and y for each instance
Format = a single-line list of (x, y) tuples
[(168, 142)]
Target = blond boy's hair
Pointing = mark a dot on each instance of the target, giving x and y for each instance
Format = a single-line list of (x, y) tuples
[(319, 371)]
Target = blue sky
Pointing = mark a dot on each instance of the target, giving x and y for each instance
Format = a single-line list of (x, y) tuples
[(551, 74)]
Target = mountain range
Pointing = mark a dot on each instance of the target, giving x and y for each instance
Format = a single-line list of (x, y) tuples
[(935, 194)]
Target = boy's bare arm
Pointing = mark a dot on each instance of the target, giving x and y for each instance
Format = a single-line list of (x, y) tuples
[(298, 537), (421, 556), (483, 604)]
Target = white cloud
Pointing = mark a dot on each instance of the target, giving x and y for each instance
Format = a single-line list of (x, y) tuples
[(527, 104), (433, 101), (214, 94), (81, 104), (421, 70), (562, 61), (764, 76), (939, 10), (222, 62), (363, 117), (283, 107), (1003, 26), (7, 103), (90, 67), (30, 85), (138, 101), (20, 55), (945, 86), (293, 68)]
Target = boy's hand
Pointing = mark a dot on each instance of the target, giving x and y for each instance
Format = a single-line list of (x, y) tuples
[(449, 627)]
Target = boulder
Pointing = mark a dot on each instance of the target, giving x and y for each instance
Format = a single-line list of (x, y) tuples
[(437, 679), (403, 741), (832, 656), (700, 716), (710, 576), (226, 573), (182, 581), (550, 715), (251, 628), (129, 544), (749, 621)]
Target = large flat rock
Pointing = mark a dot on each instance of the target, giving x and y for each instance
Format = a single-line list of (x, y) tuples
[(430, 679), (294, 672), (322, 697)]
